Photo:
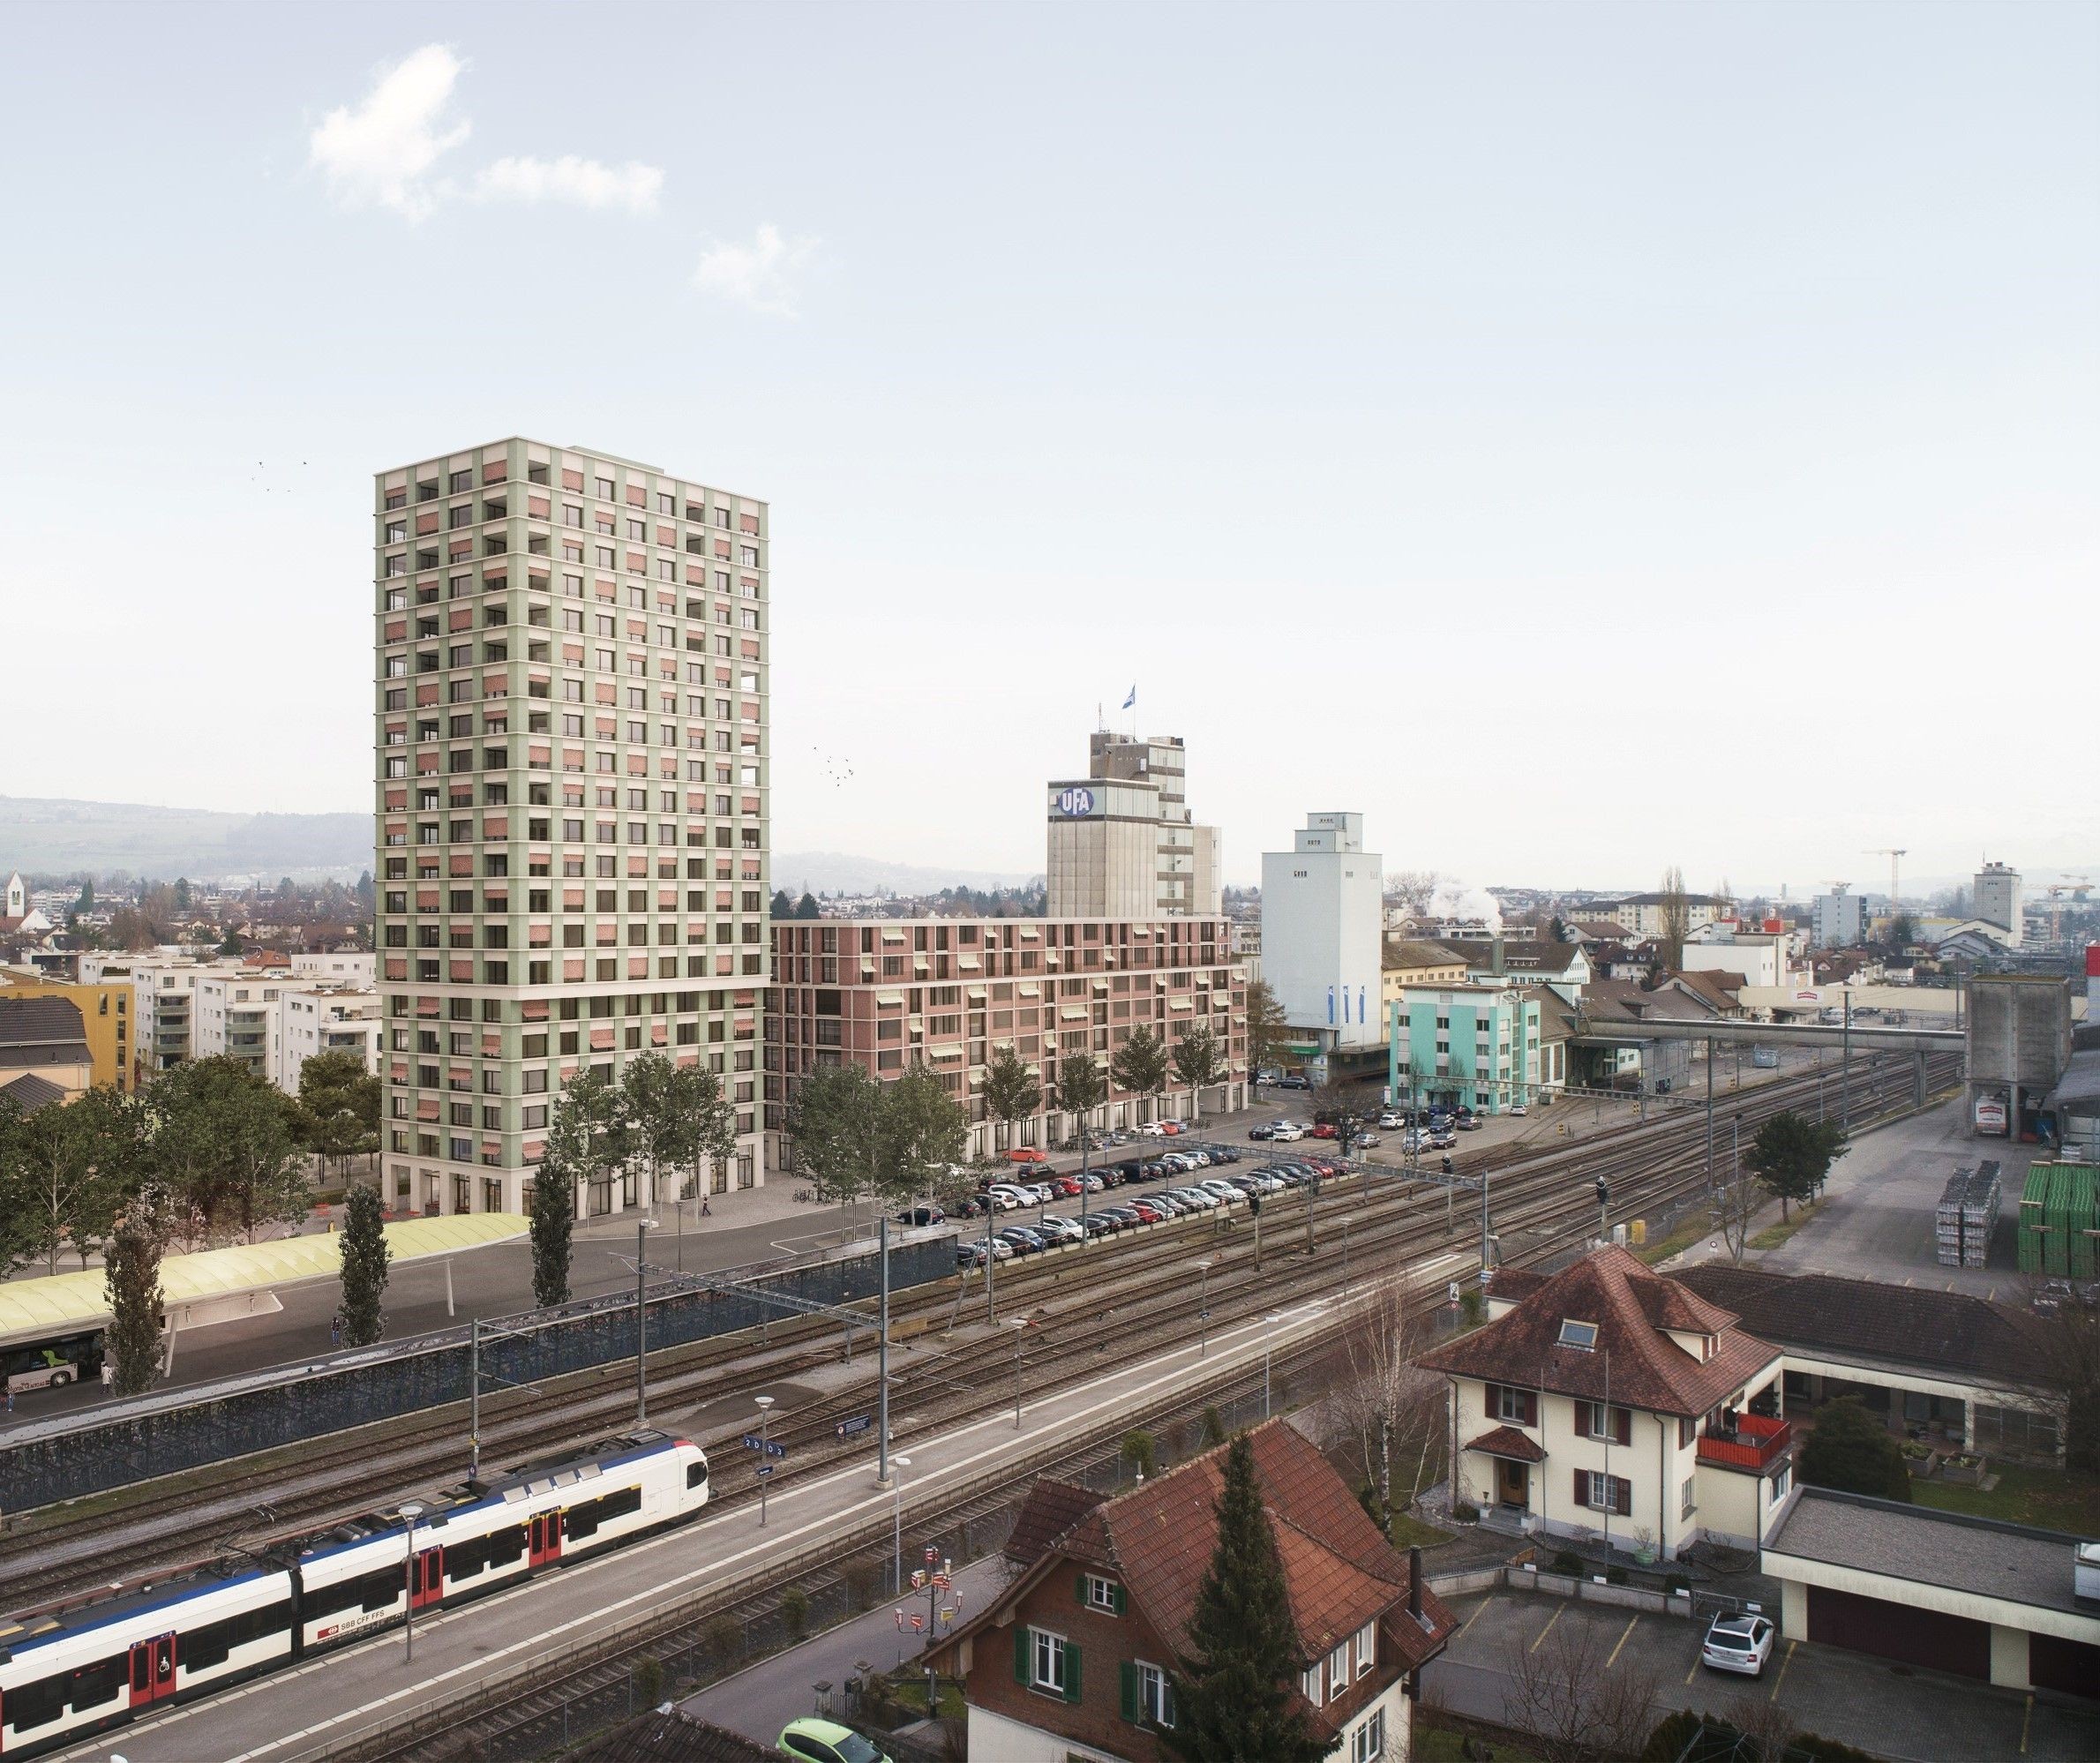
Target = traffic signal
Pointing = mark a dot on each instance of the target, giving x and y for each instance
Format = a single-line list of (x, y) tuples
[(1603, 1192), (1254, 1206)]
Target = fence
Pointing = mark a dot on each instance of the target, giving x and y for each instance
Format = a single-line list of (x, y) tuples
[(163, 1434)]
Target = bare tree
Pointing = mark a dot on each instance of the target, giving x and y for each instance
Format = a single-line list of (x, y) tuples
[(1413, 889), (1389, 1409), (1569, 1707), (1675, 913), (1768, 1731), (2065, 1339), (1736, 1207)]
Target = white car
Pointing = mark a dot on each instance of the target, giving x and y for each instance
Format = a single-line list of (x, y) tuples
[(1223, 1191), (1737, 1643), (1060, 1230), (1008, 1198), (1152, 1130), (1286, 1132), (1196, 1196)]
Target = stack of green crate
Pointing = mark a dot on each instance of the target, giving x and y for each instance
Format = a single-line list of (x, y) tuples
[(2081, 1215), (2033, 1219)]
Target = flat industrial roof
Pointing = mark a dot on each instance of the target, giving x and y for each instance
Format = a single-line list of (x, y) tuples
[(59, 1301), (1984, 1556)]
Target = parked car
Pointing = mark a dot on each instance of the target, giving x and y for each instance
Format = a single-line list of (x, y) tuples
[(1027, 1153), (1444, 1141), (1196, 1197), (1025, 1241), (1125, 1216), (972, 1206), (1099, 1224), (1227, 1194), (1740, 1643), (1069, 1186), (1519, 1107), (1294, 1081), (971, 1254), (1171, 1128), (1285, 1133), (1151, 1130), (1059, 1229), (1368, 1141), (1468, 1122), (1091, 1182), (811, 1739), (1261, 1131), (920, 1217), (1007, 1198), (1150, 1210)]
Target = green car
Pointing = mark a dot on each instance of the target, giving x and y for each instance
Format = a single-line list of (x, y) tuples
[(815, 1740)]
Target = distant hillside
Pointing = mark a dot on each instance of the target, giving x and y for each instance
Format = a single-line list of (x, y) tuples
[(50, 836), (833, 871)]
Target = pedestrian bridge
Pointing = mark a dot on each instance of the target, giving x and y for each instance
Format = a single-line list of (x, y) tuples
[(1861, 1038)]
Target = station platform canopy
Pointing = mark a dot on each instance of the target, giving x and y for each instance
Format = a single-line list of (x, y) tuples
[(58, 1302)]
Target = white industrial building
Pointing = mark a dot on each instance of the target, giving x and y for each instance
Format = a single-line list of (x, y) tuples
[(1997, 900), (1321, 951)]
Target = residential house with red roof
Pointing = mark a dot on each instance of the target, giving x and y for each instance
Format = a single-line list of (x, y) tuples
[(1608, 1402), (1076, 1658)]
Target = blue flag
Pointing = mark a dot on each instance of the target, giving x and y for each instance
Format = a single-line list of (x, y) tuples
[(1130, 704)]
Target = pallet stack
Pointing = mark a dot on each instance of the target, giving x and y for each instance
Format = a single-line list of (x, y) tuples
[(1967, 1215), (2059, 1219)]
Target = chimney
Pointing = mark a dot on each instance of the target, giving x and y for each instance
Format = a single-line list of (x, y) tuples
[(1415, 1583), (1497, 949)]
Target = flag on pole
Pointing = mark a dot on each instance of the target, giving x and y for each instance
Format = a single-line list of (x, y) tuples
[(1130, 704)]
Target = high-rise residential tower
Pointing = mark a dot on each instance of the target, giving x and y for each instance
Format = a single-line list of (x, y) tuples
[(572, 827), (1121, 841)]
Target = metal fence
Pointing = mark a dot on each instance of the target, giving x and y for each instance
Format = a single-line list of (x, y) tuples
[(162, 1434)]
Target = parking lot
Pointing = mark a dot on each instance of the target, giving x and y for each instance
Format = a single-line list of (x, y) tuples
[(1891, 1710)]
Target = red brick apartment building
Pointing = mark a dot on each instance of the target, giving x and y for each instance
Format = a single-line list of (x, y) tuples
[(880, 994)]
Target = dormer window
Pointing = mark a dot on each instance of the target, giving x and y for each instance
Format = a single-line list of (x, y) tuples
[(1579, 1334)]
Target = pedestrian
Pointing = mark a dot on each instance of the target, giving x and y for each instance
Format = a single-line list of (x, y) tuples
[(109, 1373), (706, 1210), (335, 1330)]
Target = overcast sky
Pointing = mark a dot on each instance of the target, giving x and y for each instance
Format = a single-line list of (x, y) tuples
[(1581, 438)]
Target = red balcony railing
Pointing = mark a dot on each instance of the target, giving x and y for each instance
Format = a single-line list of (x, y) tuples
[(1757, 1442)]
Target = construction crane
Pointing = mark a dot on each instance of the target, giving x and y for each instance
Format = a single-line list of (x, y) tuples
[(1893, 854)]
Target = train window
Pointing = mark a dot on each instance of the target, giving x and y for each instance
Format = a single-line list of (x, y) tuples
[(206, 1647), (504, 1546), (619, 1505), (33, 1703), (696, 1474), (384, 1588), (94, 1685), (580, 1521)]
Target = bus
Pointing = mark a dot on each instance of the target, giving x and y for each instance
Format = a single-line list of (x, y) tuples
[(51, 1362)]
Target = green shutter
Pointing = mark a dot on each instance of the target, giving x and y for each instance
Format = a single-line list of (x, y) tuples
[(1082, 1591), (1071, 1672), (1119, 1600), (1129, 1690), (1020, 1653)]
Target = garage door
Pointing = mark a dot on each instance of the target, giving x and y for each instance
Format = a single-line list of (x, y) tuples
[(1928, 1637), (2070, 1667)]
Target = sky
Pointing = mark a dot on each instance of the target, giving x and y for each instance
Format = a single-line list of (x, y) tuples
[(1582, 438)]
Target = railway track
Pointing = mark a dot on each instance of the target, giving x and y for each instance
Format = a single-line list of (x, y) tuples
[(1390, 1221)]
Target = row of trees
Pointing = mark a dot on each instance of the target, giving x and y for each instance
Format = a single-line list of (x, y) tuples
[(223, 1152), (660, 1117)]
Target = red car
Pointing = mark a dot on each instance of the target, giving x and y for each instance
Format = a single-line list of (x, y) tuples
[(1068, 1185), (1147, 1210), (1026, 1153), (1324, 1130)]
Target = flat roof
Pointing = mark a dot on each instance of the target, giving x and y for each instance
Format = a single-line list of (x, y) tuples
[(1983, 1556), (56, 1302)]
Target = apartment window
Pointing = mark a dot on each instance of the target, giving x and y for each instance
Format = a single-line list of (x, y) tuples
[(1104, 1594), (605, 490), (1051, 1663), (1782, 1479), (747, 555), (1338, 1669), (1310, 1682), (1367, 1743), (1367, 1648), (1153, 1694), (1504, 1402), (1582, 1334), (459, 481), (1688, 1497), (1612, 1425), (1604, 1493)]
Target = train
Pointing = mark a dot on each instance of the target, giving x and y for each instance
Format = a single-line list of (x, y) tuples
[(83, 1668)]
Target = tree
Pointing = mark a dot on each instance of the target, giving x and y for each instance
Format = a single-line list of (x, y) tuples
[(1413, 890), (1081, 1089), (1198, 1062), (364, 892), (1265, 1026), (1849, 1450), (832, 1123), (182, 891), (366, 1258), (1388, 1408), (1139, 1065), (1791, 1155), (1335, 1103), (2066, 1335), (1674, 915), (923, 1130), (1570, 1706), (1012, 1093), (1736, 1207), (1902, 931), (806, 908), (784, 905), (132, 1277), (679, 1115), (264, 1177), (338, 1112), (46, 1169), (553, 1213), (86, 902), (114, 1125), (1233, 1687)]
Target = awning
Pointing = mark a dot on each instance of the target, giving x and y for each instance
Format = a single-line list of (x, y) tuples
[(1506, 1441)]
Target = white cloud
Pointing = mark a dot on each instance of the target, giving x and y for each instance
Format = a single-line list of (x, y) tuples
[(759, 275), (382, 150), (633, 185)]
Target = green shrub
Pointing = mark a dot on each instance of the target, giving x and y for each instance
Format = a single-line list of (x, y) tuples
[(794, 1610), (1566, 1561), (1213, 1426), (725, 1639), (1671, 1735), (1140, 1451), (1615, 1576), (648, 1682)]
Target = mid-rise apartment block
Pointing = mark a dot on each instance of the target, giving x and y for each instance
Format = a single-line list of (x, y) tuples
[(239, 1014), (570, 710), (950, 992), (1841, 920), (314, 1020), (1122, 843)]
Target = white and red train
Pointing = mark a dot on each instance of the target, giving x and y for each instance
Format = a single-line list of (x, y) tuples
[(75, 1670)]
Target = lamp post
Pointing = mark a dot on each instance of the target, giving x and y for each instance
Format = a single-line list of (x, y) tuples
[(1202, 1314), (765, 1463), (896, 1527), (643, 1227), (1019, 1325), (1268, 1326), (410, 1510)]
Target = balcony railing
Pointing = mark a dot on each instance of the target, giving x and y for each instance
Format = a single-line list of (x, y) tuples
[(1757, 1442)]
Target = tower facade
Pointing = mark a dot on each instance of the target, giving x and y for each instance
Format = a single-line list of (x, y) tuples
[(1122, 842), (571, 804)]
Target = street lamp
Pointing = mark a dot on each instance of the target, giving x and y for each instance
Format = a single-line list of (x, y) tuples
[(1019, 1325), (1203, 1314), (410, 1510), (1268, 1325), (765, 1463), (897, 1529), (643, 1227)]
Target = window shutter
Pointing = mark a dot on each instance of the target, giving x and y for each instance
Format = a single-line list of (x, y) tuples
[(1071, 1672), (1531, 1408), (1021, 1649), (1082, 1591), (1129, 1690), (1582, 1487), (1622, 1425), (1623, 1497), (1120, 1605), (1491, 1401)]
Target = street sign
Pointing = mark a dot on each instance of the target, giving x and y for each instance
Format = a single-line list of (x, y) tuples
[(858, 1423), (941, 1582), (753, 1442), (765, 1469), (947, 1613), (918, 1622), (932, 1554), (918, 1579)]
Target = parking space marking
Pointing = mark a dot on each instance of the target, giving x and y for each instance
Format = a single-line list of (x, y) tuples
[(1547, 1630), (1782, 1678), (1613, 1660), (2026, 1714), (1689, 1675), (1475, 1618)]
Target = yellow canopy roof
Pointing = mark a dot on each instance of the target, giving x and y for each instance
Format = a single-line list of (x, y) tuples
[(59, 1301)]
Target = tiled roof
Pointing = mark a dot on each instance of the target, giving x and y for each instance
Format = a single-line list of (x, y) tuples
[(36, 1021), (1052, 1508), (29, 1092), (1399, 953), (1624, 1001), (1634, 1364), (1864, 1318), (1506, 1441)]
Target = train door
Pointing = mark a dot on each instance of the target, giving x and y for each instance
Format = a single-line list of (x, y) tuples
[(426, 1578), (152, 1670), (544, 1542)]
